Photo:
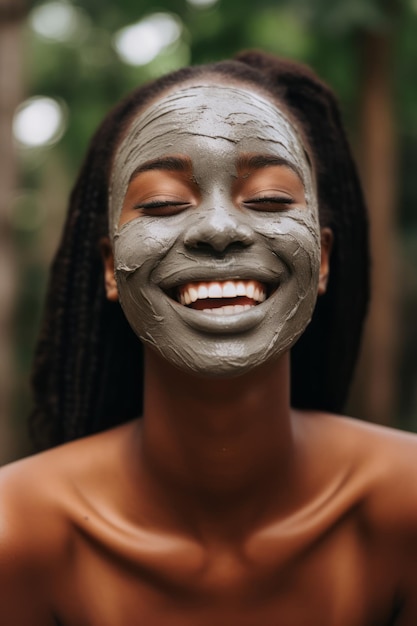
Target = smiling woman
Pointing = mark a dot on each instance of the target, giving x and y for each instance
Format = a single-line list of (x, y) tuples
[(221, 208), (236, 203)]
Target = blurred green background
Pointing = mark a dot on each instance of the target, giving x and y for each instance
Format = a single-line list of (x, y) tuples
[(64, 64)]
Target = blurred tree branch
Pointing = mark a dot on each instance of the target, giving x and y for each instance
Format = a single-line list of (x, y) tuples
[(379, 165), (12, 13)]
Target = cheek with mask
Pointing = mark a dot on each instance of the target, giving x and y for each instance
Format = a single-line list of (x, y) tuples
[(215, 230)]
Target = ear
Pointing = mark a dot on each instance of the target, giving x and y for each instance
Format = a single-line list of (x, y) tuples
[(326, 238), (108, 263)]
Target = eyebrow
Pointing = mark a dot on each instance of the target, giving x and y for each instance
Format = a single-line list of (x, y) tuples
[(168, 163), (184, 164), (259, 161)]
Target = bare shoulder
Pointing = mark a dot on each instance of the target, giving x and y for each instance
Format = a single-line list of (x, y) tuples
[(46, 487), (385, 457), (380, 462), (26, 494), (380, 475), (40, 498), (29, 531)]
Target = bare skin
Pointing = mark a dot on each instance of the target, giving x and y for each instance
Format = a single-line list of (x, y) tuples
[(222, 505)]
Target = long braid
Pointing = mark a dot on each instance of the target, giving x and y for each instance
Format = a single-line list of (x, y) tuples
[(88, 368)]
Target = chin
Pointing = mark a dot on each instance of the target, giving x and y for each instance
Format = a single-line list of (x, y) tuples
[(224, 364)]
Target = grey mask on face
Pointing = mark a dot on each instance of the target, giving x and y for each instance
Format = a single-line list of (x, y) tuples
[(161, 259)]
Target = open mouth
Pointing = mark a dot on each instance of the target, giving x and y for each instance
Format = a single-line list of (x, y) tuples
[(222, 297)]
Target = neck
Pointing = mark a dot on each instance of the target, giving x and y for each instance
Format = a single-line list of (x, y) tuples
[(216, 446)]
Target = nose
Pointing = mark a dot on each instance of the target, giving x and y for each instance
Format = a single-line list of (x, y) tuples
[(218, 228)]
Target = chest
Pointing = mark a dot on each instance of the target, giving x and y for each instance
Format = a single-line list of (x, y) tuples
[(329, 580)]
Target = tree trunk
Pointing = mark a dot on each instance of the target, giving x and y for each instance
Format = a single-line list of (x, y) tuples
[(376, 380), (11, 15)]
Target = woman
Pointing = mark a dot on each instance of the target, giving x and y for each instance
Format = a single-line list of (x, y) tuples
[(218, 202)]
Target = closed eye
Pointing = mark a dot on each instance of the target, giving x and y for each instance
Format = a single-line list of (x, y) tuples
[(269, 203), (162, 207)]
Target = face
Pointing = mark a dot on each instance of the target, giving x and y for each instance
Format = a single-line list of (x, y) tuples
[(215, 229)]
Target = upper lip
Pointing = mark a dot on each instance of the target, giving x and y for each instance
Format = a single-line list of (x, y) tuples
[(209, 274)]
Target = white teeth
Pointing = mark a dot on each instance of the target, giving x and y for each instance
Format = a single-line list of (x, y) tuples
[(193, 294), (229, 310), (214, 290), (250, 290), (229, 289), (202, 292)]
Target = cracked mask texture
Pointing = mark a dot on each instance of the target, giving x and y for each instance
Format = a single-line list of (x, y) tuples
[(213, 125)]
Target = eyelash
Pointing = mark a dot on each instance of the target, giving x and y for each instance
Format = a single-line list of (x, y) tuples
[(272, 200), (154, 205), (261, 203)]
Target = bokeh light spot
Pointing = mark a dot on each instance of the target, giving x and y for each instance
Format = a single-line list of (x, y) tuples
[(58, 21), (140, 43), (39, 121)]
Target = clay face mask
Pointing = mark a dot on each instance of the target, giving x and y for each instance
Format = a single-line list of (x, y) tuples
[(215, 229)]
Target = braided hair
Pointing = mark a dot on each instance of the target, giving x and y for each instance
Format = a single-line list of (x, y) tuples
[(88, 366)]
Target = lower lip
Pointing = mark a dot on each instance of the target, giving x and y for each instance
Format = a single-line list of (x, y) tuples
[(221, 324)]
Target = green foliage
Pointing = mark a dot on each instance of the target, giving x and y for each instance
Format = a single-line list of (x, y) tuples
[(339, 17), (89, 76), (86, 73)]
